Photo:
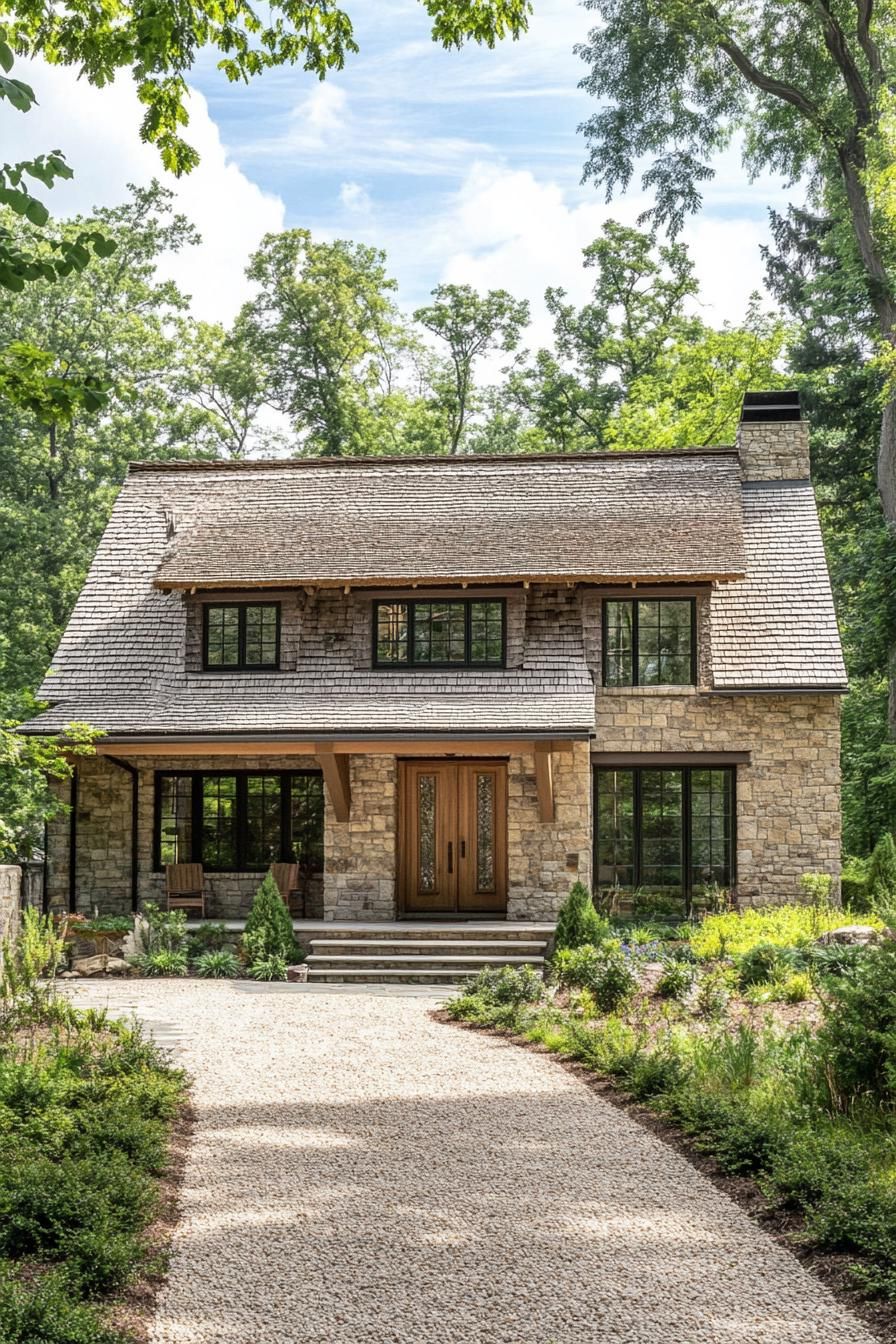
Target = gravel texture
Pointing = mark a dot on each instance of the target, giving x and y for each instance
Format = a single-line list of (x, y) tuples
[(362, 1174)]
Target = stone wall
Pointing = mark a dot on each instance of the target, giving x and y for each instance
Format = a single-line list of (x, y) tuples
[(788, 797), (545, 858), (774, 450), (359, 880), (103, 823), (10, 889)]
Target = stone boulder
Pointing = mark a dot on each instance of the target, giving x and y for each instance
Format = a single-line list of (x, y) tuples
[(102, 966), (851, 935), (297, 974)]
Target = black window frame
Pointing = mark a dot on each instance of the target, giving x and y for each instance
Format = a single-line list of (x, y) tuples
[(242, 817), (412, 603), (634, 602), (241, 665), (687, 825)]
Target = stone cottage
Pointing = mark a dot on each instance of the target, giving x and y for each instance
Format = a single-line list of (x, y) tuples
[(449, 687)]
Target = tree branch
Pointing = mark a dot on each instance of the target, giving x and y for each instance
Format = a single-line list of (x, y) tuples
[(837, 45), (776, 88), (865, 13)]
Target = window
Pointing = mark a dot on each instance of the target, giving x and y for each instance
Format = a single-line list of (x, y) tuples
[(650, 642), (239, 636), (666, 832), (466, 632), (245, 820)]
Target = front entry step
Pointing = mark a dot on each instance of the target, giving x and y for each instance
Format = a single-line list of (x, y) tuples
[(415, 955)]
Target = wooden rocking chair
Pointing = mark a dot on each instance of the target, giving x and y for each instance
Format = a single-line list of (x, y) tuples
[(291, 887), (185, 887)]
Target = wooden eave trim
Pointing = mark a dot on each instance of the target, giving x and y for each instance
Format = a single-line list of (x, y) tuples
[(436, 462), (544, 781), (633, 759), (452, 580), (385, 746), (337, 780)]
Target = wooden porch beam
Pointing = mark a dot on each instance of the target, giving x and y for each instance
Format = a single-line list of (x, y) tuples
[(544, 780), (336, 777), (383, 746)]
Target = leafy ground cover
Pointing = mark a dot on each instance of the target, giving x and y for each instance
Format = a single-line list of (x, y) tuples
[(772, 1053), (87, 1107)]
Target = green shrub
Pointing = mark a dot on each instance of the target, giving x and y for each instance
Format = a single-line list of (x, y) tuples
[(834, 959), (213, 937), (163, 962), (767, 962), (609, 1047), (163, 930), (604, 971), (41, 1311), (796, 988), (217, 965), (270, 967), (857, 1039), (677, 980), (882, 879), (578, 922), (269, 933), (854, 885), (785, 925), (713, 993), (507, 984)]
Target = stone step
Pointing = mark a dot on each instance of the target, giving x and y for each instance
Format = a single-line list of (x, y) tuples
[(382, 975), (332, 961), (427, 946), (416, 931)]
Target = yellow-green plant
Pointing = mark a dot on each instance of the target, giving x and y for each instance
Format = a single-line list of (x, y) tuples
[(784, 925), (33, 956)]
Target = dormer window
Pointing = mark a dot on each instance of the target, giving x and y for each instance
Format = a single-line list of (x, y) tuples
[(452, 632), (241, 636), (650, 642)]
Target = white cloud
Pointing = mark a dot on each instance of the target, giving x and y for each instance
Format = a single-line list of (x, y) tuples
[(355, 198), (98, 131)]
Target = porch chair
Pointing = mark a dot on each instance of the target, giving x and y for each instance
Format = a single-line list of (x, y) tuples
[(185, 887), (291, 887)]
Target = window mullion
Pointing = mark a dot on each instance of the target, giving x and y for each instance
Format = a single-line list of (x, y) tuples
[(687, 842), (638, 829), (285, 816), (636, 655)]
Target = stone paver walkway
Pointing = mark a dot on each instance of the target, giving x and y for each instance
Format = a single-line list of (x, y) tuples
[(363, 1175)]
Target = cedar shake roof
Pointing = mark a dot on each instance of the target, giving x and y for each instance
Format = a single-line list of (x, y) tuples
[(128, 662), (368, 522), (778, 626)]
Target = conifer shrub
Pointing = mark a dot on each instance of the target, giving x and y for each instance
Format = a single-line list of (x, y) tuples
[(578, 922), (268, 935), (882, 878)]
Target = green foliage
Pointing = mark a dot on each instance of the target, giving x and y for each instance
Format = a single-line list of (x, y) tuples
[(163, 930), (605, 971), (882, 878), (766, 962), (857, 1041), (854, 884), (269, 932), (209, 937), (816, 888), (677, 980), (578, 922), (269, 967), (713, 993), (41, 1311), (735, 933), (24, 962), (507, 984), (217, 964), (162, 962), (27, 765), (796, 988)]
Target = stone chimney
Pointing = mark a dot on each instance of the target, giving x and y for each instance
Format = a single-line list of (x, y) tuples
[(773, 437)]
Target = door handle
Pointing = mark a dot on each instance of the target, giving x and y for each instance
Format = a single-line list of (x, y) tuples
[(463, 849), (450, 857)]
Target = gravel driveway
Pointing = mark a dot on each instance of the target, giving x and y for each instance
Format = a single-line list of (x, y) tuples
[(364, 1175)]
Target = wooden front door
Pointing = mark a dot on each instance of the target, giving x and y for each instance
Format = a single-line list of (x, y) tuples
[(452, 838)]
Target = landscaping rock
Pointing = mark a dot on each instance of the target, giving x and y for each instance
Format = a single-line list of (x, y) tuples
[(852, 935), (102, 966), (297, 974)]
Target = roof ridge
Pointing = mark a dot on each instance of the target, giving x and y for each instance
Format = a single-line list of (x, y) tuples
[(431, 460)]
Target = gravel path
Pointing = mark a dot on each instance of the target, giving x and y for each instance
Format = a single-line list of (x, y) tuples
[(364, 1175)]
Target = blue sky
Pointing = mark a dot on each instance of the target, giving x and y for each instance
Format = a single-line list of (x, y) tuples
[(463, 166)]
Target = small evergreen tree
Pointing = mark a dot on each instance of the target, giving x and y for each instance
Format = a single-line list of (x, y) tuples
[(882, 878), (268, 931), (578, 922)]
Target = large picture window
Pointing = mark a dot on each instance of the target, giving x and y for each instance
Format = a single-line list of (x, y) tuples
[(667, 833), (650, 642), (464, 632), (240, 636), (240, 821)]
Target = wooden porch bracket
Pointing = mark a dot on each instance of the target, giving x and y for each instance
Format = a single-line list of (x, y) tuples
[(335, 771), (544, 780)]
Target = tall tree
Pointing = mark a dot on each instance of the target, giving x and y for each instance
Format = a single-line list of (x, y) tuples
[(159, 47), (632, 366), (472, 326), (805, 84)]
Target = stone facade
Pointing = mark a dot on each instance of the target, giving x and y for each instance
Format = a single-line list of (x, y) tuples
[(545, 858), (10, 890), (359, 881), (774, 450)]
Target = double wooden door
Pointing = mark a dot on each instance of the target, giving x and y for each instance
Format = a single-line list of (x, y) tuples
[(452, 846)]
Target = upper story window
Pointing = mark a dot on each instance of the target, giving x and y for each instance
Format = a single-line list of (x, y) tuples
[(650, 642), (240, 636), (464, 632)]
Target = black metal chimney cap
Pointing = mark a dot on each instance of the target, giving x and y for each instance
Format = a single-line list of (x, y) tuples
[(770, 406)]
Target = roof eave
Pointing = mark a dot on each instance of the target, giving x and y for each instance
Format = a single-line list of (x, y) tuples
[(403, 581)]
